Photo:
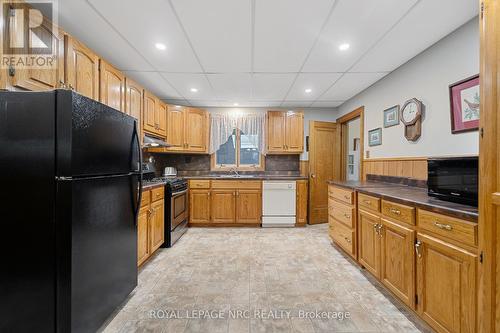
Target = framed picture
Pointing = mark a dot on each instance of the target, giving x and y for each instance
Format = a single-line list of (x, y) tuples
[(464, 105), (391, 116), (375, 137)]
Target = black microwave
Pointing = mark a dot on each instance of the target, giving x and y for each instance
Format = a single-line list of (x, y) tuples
[(454, 179)]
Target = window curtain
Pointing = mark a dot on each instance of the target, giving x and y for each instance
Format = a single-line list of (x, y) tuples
[(222, 126)]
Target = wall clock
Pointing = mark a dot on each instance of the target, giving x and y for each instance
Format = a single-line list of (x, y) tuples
[(411, 116)]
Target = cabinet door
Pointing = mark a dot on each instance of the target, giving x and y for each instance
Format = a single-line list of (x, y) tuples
[(133, 103), (161, 118), (39, 79), (294, 132), (157, 224), (196, 134), (446, 285), (276, 131), (369, 242), (223, 206), (199, 210), (81, 68), (248, 206), (176, 128), (149, 112), (112, 86), (301, 205), (143, 244), (398, 260)]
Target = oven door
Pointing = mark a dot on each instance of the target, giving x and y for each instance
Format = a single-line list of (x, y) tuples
[(179, 207)]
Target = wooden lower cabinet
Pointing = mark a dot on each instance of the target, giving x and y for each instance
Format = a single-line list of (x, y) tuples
[(150, 224), (397, 271), (369, 242), (199, 210), (446, 285), (157, 224), (143, 247), (248, 206), (301, 204), (223, 206)]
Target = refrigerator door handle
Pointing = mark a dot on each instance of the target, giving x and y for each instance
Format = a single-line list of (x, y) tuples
[(138, 164), (137, 187)]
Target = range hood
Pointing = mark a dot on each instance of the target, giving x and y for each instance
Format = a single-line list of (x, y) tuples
[(152, 142)]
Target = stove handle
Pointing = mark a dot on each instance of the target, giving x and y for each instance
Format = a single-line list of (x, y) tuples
[(179, 193)]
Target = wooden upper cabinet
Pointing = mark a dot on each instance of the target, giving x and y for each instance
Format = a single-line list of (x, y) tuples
[(161, 118), (112, 86), (81, 68), (134, 103), (196, 130), (176, 128), (446, 285), (285, 132), (149, 112), (294, 132)]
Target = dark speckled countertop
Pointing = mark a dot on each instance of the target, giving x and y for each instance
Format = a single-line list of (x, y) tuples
[(412, 196), (147, 187)]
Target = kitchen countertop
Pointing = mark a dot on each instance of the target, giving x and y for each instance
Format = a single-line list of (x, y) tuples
[(413, 196), (147, 187), (243, 177)]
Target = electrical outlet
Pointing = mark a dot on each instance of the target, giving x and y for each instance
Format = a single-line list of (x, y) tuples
[(367, 154)]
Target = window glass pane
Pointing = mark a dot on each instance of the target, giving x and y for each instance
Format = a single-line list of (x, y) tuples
[(227, 152), (249, 154)]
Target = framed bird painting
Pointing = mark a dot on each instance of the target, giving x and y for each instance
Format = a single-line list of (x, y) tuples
[(464, 105)]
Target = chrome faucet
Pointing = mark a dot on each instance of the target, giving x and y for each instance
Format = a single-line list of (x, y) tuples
[(233, 169)]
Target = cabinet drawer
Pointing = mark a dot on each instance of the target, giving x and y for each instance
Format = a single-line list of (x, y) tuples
[(398, 212), (229, 184), (194, 184), (146, 198), (341, 194), (249, 184), (343, 236), (157, 194), (455, 229), (368, 202), (342, 213)]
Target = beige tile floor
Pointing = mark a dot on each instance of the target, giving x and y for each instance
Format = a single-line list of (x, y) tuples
[(216, 272)]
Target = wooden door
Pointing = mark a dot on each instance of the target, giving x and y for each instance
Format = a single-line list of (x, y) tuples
[(276, 131), (176, 128), (112, 86), (196, 134), (369, 242), (301, 204), (161, 119), (81, 68), (199, 206), (489, 167), (446, 285), (149, 112), (294, 132), (40, 79), (248, 206), (398, 260), (157, 224), (143, 242), (223, 206), (322, 142), (134, 102)]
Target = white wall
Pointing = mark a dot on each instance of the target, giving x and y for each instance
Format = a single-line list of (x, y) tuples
[(320, 114), (426, 77)]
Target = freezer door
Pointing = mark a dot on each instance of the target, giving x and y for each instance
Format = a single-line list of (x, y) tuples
[(101, 268), (94, 139)]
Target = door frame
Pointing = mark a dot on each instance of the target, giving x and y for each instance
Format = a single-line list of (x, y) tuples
[(342, 138)]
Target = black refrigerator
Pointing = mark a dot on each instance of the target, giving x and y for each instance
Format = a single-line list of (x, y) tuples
[(70, 171)]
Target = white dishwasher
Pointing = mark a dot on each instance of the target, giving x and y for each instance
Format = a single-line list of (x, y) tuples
[(278, 203)]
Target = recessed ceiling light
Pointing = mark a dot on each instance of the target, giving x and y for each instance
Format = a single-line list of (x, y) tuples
[(194, 90), (177, 106), (344, 47), (161, 46), (308, 90), (235, 104)]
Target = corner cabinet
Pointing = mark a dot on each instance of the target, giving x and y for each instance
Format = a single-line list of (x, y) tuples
[(285, 132), (187, 129)]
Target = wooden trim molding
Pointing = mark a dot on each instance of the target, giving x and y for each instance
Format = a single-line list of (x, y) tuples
[(341, 137), (409, 167)]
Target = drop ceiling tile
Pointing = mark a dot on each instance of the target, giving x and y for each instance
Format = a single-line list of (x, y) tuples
[(296, 104), (427, 23), (264, 104), (349, 85), (317, 82), (204, 103), (271, 87), (327, 104), (147, 23), (232, 86), (184, 82), (181, 102), (360, 23), (285, 31), (220, 31), (154, 82)]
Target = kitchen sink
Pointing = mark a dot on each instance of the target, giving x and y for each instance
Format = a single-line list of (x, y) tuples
[(235, 176)]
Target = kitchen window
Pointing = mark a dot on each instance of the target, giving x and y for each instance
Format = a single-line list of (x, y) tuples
[(240, 152)]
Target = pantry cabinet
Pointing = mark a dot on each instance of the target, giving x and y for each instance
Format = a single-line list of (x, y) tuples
[(81, 68), (187, 129), (112, 86), (150, 224), (285, 132)]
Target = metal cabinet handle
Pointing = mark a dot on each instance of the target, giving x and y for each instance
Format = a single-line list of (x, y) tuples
[(375, 228), (71, 87), (443, 226), (417, 248), (62, 84), (380, 226), (347, 216), (347, 240), (313, 175), (395, 211), (347, 197)]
